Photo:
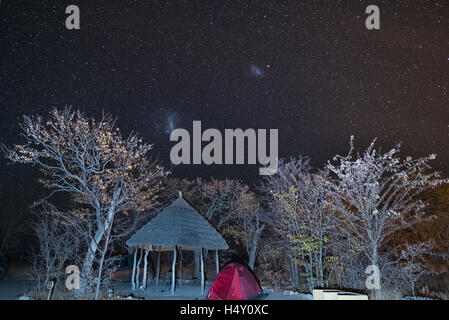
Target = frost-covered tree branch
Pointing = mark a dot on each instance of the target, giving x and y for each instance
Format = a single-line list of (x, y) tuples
[(376, 195), (92, 161)]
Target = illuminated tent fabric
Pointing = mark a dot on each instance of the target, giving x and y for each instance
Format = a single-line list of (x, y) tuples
[(234, 282)]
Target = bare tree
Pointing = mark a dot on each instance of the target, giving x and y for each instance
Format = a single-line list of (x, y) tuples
[(91, 161), (253, 225), (82, 223), (218, 199), (376, 194), (58, 244), (304, 220), (248, 223), (413, 262)]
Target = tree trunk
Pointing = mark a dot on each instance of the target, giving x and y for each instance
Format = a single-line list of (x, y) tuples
[(317, 272), (252, 257), (252, 252), (100, 268), (295, 270), (374, 257), (320, 274), (86, 272), (93, 245), (254, 245), (375, 262), (311, 284), (105, 249)]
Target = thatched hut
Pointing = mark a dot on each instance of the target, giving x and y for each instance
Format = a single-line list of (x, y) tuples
[(177, 226)]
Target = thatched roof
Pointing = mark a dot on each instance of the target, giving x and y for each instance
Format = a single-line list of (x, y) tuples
[(179, 224)]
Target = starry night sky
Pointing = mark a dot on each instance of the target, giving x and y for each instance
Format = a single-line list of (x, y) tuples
[(309, 68)]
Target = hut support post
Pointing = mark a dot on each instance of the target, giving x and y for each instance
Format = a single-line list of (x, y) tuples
[(145, 265), (138, 269), (196, 257), (173, 267), (133, 277), (202, 271), (217, 265), (180, 266), (158, 265)]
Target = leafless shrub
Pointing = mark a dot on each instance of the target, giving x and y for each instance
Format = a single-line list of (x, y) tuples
[(413, 263), (58, 245)]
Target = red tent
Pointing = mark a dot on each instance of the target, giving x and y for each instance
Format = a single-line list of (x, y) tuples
[(234, 282)]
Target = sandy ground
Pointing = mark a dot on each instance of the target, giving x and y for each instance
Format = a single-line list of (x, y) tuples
[(14, 289), (186, 292), (18, 281)]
